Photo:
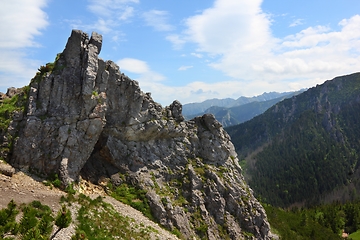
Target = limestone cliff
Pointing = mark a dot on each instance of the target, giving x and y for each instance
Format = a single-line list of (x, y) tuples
[(84, 118)]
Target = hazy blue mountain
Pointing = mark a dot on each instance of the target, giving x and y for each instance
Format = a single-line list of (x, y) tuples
[(229, 116), (190, 109)]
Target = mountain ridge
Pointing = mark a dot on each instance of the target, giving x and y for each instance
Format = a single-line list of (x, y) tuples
[(200, 107), (309, 141), (229, 116)]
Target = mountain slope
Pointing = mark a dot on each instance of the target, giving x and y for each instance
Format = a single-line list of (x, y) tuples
[(304, 147)]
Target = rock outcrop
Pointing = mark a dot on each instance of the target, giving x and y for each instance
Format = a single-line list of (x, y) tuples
[(84, 118)]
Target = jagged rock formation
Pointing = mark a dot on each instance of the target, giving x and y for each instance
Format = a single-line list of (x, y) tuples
[(86, 119)]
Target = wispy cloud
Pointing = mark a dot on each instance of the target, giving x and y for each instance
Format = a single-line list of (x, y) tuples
[(101, 25), (112, 9), (158, 20), (21, 22), (297, 22), (141, 69), (110, 14), (198, 55), (176, 40), (184, 68)]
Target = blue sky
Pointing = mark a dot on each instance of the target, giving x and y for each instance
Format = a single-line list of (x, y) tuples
[(191, 50)]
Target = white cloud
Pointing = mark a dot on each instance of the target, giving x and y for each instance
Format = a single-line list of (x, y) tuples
[(176, 41), (117, 9), (16, 69), (184, 68), (198, 55), (127, 13), (141, 68), (317, 51), (158, 20), (101, 25), (133, 65), (110, 14), (239, 35), (297, 22), (309, 37), (21, 22), (229, 25)]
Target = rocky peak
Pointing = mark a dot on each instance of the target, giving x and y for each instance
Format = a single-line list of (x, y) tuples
[(84, 118)]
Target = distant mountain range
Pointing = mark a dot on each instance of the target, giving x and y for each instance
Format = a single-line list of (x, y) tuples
[(231, 112), (305, 149)]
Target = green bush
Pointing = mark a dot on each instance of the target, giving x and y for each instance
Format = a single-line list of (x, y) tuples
[(53, 180), (29, 219), (36, 222), (7, 219), (132, 196), (63, 218), (70, 189)]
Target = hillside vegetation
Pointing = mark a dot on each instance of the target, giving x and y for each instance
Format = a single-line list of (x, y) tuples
[(330, 221), (306, 147), (95, 219)]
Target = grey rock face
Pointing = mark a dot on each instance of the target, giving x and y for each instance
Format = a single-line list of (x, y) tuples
[(66, 112), (87, 118)]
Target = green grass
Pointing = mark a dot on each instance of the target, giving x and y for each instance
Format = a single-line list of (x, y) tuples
[(200, 225), (54, 181), (99, 220), (132, 196), (95, 220), (9, 105), (7, 108), (355, 235)]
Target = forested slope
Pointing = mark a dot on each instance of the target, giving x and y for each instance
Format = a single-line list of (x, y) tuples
[(304, 147)]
